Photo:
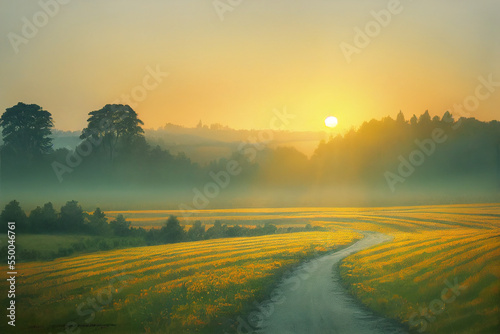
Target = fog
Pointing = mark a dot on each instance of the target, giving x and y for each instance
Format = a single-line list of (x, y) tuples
[(383, 163)]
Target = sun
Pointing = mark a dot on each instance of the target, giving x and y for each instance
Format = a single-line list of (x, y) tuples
[(331, 121)]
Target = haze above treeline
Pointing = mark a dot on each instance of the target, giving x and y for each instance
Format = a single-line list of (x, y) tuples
[(206, 142), (421, 160)]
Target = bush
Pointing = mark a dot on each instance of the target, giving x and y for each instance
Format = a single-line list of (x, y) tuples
[(103, 245)]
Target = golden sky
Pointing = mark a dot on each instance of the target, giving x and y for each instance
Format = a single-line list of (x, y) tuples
[(263, 55)]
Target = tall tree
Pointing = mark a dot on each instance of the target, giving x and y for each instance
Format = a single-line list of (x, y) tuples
[(113, 125), (425, 119), (413, 120), (448, 118), (98, 223), (13, 213), (400, 119), (196, 232), (26, 129), (43, 220), (120, 226), (172, 231), (72, 217)]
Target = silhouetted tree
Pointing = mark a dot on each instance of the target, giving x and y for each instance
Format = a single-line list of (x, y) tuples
[(13, 213), (400, 119), (447, 119), (424, 121), (196, 232), (235, 231), (26, 129), (43, 220), (113, 125), (269, 229), (120, 226), (413, 120), (172, 231), (72, 218), (98, 223), (217, 230)]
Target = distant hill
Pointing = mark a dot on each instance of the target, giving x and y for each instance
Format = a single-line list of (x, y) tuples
[(65, 139), (206, 143)]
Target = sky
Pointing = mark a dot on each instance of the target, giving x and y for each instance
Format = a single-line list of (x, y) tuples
[(234, 62)]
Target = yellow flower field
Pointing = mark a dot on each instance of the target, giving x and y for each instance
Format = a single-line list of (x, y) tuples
[(442, 276), (184, 287), (439, 274)]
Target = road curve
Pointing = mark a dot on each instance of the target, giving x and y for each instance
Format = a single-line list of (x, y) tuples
[(315, 302)]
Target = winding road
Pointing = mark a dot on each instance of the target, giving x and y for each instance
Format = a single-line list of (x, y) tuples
[(315, 302)]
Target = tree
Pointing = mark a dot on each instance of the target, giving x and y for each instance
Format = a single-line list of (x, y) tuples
[(196, 232), (98, 223), (113, 125), (172, 231), (26, 129), (413, 120), (43, 220), (448, 118), (269, 229), (424, 119), (72, 217), (217, 230), (235, 231), (13, 213), (400, 119), (120, 226)]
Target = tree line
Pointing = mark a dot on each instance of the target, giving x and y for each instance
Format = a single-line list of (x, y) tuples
[(112, 150), (72, 219), (438, 152), (114, 154)]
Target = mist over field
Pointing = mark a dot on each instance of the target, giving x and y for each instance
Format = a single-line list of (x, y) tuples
[(420, 161), (244, 167)]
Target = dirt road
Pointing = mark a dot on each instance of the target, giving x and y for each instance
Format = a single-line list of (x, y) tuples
[(315, 302)]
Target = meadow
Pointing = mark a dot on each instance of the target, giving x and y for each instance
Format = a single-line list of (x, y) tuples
[(30, 247), (176, 288), (439, 274)]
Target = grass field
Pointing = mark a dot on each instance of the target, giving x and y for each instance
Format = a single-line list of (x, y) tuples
[(417, 216), (48, 247), (439, 274), (432, 281), (176, 288)]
